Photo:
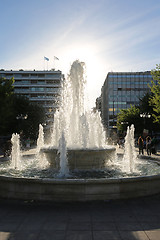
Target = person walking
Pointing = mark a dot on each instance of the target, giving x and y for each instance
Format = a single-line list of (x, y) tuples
[(148, 145), (140, 145)]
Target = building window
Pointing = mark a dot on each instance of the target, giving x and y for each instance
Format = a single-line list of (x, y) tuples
[(25, 75), (41, 75), (34, 75), (111, 109), (34, 81)]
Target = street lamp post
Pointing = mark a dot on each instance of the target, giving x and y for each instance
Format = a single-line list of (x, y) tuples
[(21, 117), (144, 116)]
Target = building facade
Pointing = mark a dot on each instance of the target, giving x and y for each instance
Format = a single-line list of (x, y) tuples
[(41, 87), (120, 91)]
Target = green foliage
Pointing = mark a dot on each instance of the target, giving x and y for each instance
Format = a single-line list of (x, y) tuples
[(129, 116), (6, 87), (35, 115), (144, 103), (12, 106), (155, 89), (132, 116), (146, 107), (6, 94)]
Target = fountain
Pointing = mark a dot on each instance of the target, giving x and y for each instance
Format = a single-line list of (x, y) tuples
[(16, 155), (130, 156), (40, 140), (82, 131), (77, 164)]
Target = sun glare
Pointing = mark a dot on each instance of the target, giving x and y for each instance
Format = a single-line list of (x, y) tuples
[(87, 53)]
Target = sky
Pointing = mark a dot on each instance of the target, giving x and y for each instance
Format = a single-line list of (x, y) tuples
[(108, 35)]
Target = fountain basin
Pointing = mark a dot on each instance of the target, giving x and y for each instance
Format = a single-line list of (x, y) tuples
[(81, 159), (77, 190)]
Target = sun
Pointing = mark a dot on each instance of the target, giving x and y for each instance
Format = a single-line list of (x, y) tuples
[(87, 53)]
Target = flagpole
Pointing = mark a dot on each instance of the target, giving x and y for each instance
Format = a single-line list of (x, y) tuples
[(54, 64), (55, 58), (47, 59), (44, 64)]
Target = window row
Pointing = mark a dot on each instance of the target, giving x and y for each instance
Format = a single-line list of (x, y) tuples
[(36, 81), (129, 83), (39, 89), (36, 75), (130, 76)]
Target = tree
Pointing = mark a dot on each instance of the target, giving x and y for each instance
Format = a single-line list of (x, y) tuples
[(144, 103), (129, 116), (13, 108), (6, 94), (132, 116), (155, 89), (26, 117), (147, 108)]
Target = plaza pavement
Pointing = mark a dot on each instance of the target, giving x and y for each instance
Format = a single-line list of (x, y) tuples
[(129, 219), (108, 220)]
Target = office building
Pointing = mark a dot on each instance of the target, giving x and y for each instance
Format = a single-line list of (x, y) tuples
[(41, 87), (120, 91)]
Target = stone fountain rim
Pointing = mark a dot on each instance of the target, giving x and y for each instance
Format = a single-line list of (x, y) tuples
[(78, 149), (69, 190), (82, 180)]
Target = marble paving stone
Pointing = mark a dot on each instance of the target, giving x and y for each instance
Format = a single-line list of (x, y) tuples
[(151, 226), (9, 227), (125, 218), (148, 218), (4, 235), (112, 220), (128, 226), (59, 218), (30, 226), (102, 217), (76, 226), (52, 225), (24, 235), (16, 219), (51, 235), (79, 235), (153, 235), (130, 235), (104, 226), (76, 216), (106, 235)]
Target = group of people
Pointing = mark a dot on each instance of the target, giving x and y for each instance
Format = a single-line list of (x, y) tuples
[(148, 143)]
